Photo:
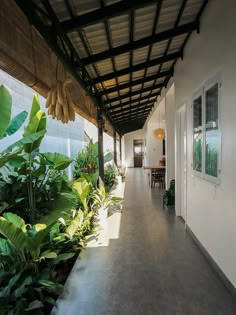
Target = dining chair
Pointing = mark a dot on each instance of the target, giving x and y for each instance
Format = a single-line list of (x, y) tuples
[(158, 176)]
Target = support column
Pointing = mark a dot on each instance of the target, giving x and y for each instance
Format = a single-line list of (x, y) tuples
[(115, 152), (100, 123)]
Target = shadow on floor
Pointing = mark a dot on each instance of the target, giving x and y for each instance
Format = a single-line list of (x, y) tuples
[(150, 265)]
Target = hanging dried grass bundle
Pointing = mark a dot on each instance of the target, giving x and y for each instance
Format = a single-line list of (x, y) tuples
[(59, 102)]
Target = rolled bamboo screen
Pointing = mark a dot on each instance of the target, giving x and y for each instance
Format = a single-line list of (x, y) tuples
[(25, 55)]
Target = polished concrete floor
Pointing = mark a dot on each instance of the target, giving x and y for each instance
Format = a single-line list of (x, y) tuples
[(149, 265)]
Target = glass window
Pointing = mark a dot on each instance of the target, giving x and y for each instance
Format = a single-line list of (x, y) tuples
[(197, 134), (212, 134), (206, 145)]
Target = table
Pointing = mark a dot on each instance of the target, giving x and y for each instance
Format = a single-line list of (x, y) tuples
[(154, 168)]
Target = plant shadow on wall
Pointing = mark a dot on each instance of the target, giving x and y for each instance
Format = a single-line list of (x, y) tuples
[(35, 259)]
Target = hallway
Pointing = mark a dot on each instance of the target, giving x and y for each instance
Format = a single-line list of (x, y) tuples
[(153, 268)]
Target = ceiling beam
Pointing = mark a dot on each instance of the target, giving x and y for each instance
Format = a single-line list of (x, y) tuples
[(130, 108), (159, 37), (130, 113), (137, 103), (104, 13), (133, 123), (137, 124), (138, 67), (137, 100), (138, 81), (130, 94), (128, 118)]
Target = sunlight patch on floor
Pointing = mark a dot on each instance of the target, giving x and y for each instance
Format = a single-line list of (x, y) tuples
[(109, 228)]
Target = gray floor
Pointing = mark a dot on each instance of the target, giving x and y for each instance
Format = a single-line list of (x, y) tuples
[(153, 268)]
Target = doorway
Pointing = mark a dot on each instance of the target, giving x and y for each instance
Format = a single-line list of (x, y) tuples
[(138, 153), (181, 163)]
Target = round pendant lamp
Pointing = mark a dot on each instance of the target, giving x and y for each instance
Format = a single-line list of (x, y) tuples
[(159, 133)]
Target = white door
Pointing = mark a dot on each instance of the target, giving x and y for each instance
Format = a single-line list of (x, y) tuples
[(181, 159)]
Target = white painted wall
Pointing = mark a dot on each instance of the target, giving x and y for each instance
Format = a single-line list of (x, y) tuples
[(170, 134), (154, 147), (128, 146), (211, 210)]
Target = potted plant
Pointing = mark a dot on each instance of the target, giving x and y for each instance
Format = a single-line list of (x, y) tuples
[(102, 201)]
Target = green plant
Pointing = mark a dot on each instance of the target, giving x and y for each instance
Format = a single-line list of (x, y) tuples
[(110, 176), (80, 193), (27, 267), (169, 194), (8, 126), (86, 166), (103, 200), (29, 180), (87, 161), (69, 234)]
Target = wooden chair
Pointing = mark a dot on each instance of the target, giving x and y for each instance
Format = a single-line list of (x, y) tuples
[(158, 176)]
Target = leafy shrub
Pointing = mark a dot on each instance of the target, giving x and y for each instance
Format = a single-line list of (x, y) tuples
[(110, 176), (29, 180), (25, 282), (86, 166), (169, 195), (33, 260)]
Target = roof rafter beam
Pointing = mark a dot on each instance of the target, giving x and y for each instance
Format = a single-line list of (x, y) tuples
[(143, 106), (159, 37), (137, 124), (131, 113), (101, 14), (137, 103), (145, 114), (129, 110), (133, 123), (140, 66), (139, 81), (137, 100), (147, 89)]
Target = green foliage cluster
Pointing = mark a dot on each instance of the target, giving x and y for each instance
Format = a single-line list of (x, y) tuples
[(86, 166), (34, 259), (169, 195), (29, 180)]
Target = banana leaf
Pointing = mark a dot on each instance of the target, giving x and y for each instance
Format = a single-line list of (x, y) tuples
[(16, 220), (29, 140), (59, 161), (14, 234), (16, 123), (108, 157), (4, 158), (37, 123), (5, 105)]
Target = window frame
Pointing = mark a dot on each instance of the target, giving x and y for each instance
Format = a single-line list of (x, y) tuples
[(202, 92), (197, 94)]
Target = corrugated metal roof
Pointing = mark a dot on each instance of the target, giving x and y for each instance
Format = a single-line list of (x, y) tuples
[(114, 43)]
